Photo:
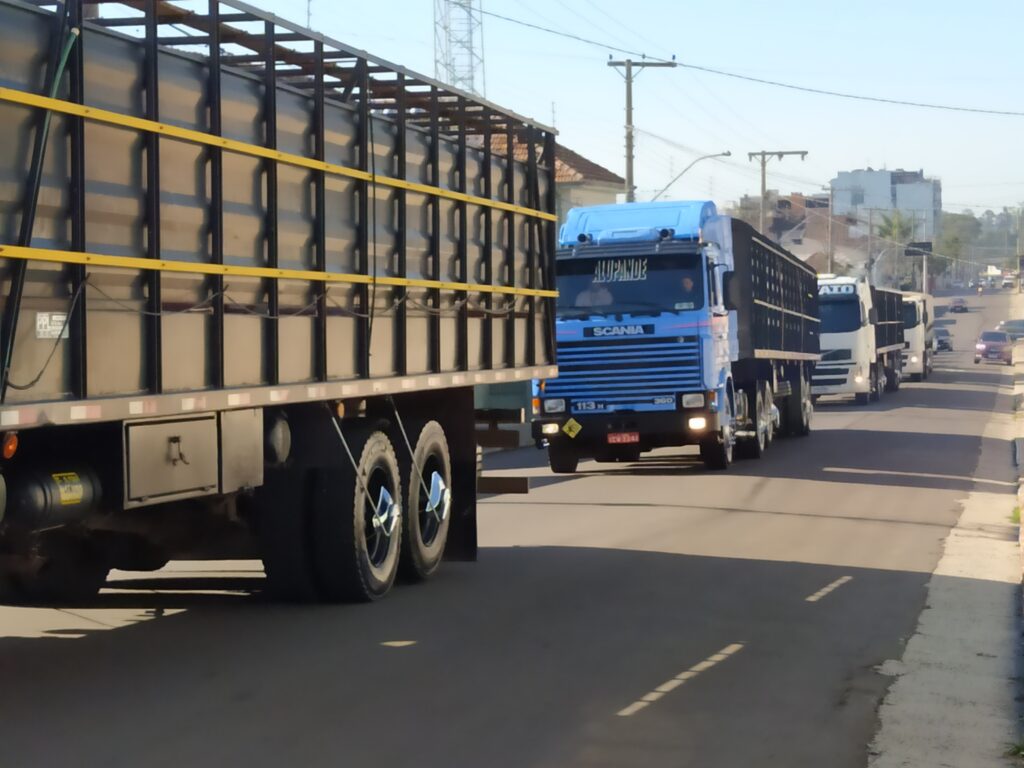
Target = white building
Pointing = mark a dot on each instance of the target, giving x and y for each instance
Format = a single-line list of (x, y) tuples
[(858, 193)]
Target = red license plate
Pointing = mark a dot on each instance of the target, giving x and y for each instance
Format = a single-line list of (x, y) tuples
[(618, 438)]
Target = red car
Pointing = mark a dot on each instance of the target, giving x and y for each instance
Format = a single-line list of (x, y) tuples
[(994, 347)]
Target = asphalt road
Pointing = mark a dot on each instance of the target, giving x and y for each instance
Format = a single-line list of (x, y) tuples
[(646, 614)]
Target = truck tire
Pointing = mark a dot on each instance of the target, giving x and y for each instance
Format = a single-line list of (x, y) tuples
[(563, 460), (893, 377), (281, 520), (876, 383), (356, 525), (71, 572), (798, 408), (754, 447), (769, 404), (425, 527), (716, 452)]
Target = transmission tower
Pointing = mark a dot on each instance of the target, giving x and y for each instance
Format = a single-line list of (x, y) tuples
[(459, 44)]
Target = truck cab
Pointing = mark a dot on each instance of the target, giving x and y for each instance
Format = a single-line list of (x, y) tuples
[(848, 354), (643, 337), (918, 335), (675, 326)]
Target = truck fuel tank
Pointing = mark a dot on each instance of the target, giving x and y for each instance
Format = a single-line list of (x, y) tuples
[(41, 499)]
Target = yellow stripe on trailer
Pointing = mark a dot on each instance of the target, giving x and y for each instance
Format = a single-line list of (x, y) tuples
[(15, 96), (162, 265)]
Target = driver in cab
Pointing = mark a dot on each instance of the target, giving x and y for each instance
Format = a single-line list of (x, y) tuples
[(594, 295), (689, 297)]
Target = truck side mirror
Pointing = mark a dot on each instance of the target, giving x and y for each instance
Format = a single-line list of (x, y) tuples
[(873, 316), (730, 289)]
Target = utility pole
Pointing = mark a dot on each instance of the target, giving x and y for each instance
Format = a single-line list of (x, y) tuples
[(830, 204), (871, 237), (628, 66), (765, 156)]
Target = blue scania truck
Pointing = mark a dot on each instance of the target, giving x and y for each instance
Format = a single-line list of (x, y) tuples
[(675, 326)]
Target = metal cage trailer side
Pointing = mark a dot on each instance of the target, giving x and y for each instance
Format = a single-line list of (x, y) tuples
[(250, 277), (889, 340), (775, 296)]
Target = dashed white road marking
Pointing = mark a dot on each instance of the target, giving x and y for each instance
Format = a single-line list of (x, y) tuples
[(924, 475), (828, 588), (670, 685)]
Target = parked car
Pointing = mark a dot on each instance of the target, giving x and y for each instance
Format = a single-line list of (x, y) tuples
[(1014, 328), (958, 304), (1008, 282), (994, 347), (943, 340)]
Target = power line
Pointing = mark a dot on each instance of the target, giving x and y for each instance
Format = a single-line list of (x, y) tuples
[(759, 80)]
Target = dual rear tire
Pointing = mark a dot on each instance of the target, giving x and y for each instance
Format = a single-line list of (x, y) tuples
[(339, 534)]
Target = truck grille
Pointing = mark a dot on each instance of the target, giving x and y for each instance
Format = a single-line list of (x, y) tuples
[(619, 374), (830, 375)]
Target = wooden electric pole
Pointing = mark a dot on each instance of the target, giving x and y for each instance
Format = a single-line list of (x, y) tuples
[(765, 156), (629, 65)]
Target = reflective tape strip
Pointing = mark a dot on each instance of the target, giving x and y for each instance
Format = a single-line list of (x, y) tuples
[(95, 114), (161, 265)]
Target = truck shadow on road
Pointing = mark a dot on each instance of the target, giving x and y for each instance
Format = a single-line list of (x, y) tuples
[(537, 648)]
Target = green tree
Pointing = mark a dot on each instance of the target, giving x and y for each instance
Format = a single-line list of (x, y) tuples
[(897, 228), (957, 232)]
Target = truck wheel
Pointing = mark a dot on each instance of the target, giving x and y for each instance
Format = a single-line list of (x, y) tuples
[(876, 383), (798, 408), (357, 525), (754, 447), (281, 520), (892, 379), (769, 405), (427, 481), (563, 461), (716, 451), (71, 572)]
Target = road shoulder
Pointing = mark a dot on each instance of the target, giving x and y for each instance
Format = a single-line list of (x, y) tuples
[(953, 701)]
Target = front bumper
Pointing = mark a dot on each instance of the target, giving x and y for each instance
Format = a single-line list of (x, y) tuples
[(1004, 357), (847, 387), (909, 366), (656, 429)]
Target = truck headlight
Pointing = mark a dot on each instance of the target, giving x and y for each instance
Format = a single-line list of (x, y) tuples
[(913, 358), (549, 429), (554, 405), (859, 377), (693, 400), (697, 423)]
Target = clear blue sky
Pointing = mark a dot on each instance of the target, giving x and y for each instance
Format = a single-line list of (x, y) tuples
[(964, 54)]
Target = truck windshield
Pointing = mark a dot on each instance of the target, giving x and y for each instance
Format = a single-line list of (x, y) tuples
[(840, 314), (635, 285), (910, 315)]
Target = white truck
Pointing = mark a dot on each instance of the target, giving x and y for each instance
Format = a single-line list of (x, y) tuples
[(918, 335), (861, 339)]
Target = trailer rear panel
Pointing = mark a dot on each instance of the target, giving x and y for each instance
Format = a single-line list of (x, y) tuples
[(889, 325)]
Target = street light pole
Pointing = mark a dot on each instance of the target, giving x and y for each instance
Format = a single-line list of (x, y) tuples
[(629, 65), (764, 155), (679, 175)]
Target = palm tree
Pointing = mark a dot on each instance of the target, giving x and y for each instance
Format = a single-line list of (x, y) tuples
[(897, 228)]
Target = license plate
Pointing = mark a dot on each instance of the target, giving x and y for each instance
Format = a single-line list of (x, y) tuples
[(995, 354), (619, 438)]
